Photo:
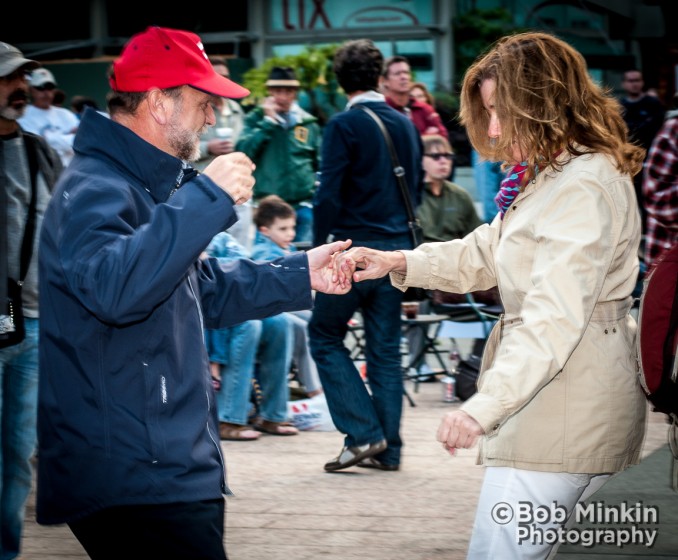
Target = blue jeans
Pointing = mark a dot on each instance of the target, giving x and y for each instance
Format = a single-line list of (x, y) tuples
[(238, 349), (362, 417), (275, 360), (235, 348), (301, 354), (19, 403), (304, 222)]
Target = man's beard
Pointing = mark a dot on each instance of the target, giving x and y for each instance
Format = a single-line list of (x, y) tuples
[(186, 143), (12, 112)]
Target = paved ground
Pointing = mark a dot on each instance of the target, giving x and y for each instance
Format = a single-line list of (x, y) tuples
[(286, 507)]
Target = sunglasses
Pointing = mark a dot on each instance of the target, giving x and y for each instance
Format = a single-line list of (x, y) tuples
[(436, 157), (46, 87)]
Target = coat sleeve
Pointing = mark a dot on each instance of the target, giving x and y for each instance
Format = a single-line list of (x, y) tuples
[(122, 256), (459, 266), (242, 289)]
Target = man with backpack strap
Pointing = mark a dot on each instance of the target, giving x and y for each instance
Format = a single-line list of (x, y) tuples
[(28, 171)]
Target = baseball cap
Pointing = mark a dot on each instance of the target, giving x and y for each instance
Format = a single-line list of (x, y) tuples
[(41, 77), (12, 59), (163, 58)]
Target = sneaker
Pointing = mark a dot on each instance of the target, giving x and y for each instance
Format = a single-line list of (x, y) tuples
[(350, 456)]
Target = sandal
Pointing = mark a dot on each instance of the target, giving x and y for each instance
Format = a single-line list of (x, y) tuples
[(275, 428), (236, 432)]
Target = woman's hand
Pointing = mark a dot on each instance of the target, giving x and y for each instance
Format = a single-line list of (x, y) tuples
[(321, 263), (361, 263), (458, 430)]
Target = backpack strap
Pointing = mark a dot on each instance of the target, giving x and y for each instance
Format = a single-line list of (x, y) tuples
[(29, 230)]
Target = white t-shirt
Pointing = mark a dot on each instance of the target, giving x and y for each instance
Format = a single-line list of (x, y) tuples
[(56, 125)]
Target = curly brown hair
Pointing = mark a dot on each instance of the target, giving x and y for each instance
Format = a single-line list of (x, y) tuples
[(545, 100)]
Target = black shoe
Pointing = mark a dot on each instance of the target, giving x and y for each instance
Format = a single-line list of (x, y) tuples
[(350, 456), (372, 463)]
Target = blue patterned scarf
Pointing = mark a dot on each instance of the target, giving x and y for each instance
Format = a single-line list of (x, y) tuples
[(510, 187)]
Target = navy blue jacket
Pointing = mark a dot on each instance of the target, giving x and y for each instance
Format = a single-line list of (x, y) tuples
[(358, 196), (126, 408)]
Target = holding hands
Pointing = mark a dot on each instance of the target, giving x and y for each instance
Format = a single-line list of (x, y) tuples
[(322, 263), (361, 263)]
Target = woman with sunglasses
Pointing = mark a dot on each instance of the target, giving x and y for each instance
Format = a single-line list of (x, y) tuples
[(559, 407), (446, 210)]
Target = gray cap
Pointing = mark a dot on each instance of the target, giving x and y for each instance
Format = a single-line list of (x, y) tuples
[(12, 59)]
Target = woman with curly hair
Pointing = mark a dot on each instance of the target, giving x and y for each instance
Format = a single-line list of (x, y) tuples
[(559, 408)]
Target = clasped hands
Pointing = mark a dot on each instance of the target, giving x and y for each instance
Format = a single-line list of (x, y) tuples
[(333, 266), (363, 263)]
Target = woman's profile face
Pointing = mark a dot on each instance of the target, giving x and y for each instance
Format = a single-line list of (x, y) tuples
[(487, 94)]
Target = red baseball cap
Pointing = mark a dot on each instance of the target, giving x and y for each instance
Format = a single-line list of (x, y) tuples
[(164, 58)]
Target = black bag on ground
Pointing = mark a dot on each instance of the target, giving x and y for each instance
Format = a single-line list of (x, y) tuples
[(11, 316), (467, 377)]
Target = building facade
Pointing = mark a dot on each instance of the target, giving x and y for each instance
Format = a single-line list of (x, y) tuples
[(613, 35)]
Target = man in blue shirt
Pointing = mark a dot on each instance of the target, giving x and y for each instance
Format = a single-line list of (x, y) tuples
[(359, 198)]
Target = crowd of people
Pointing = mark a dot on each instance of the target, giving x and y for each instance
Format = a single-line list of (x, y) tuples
[(180, 260)]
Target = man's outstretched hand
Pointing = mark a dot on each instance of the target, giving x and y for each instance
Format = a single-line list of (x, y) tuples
[(321, 266)]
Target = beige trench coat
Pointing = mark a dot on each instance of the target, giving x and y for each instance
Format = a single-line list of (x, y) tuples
[(559, 389)]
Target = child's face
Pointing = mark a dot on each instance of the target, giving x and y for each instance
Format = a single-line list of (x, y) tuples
[(281, 231)]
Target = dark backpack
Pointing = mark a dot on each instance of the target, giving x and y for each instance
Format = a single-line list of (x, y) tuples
[(657, 336)]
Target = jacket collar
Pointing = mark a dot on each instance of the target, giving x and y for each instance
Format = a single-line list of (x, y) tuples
[(157, 172)]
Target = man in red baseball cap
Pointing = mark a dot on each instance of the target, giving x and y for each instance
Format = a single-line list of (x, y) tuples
[(129, 448), (165, 58)]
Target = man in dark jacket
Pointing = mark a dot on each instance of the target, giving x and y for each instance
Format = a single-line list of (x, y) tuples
[(128, 431), (359, 198), (28, 170)]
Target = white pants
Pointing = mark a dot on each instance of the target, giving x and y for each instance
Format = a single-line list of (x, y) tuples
[(518, 510)]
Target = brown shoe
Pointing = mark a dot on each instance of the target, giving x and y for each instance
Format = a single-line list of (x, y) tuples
[(372, 463), (275, 428), (350, 456), (236, 432)]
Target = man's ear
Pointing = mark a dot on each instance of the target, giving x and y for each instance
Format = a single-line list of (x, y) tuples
[(265, 230), (160, 106)]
